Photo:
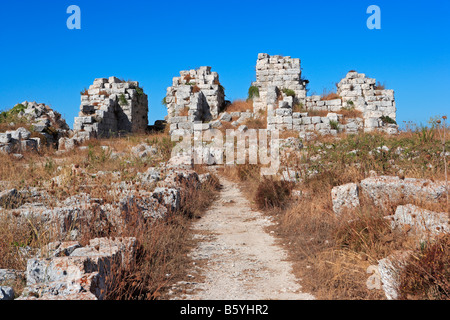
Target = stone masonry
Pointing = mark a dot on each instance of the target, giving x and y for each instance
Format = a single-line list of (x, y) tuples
[(195, 96), (275, 74), (195, 102), (112, 106)]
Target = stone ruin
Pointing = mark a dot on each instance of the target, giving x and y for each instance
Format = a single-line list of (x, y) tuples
[(195, 97), (195, 101), (108, 108), (41, 125), (274, 76)]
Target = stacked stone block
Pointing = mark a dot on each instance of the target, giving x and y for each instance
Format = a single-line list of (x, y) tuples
[(18, 141), (112, 106), (47, 125), (194, 97), (275, 74), (362, 93)]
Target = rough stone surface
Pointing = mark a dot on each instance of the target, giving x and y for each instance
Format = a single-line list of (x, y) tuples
[(79, 276), (385, 190), (110, 107), (275, 74), (389, 269), (420, 222), (43, 121), (6, 293), (345, 197), (194, 97)]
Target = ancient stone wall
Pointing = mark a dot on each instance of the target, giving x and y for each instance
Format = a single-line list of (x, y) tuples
[(361, 92), (195, 96), (112, 106), (40, 125), (274, 76)]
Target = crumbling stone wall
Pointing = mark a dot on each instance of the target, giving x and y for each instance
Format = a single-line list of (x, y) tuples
[(112, 106), (355, 91), (195, 96), (362, 92), (274, 75), (41, 126)]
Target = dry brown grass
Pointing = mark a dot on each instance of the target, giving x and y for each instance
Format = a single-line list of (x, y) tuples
[(240, 106), (332, 254), (427, 273), (163, 243), (184, 112), (350, 113), (326, 95), (317, 113)]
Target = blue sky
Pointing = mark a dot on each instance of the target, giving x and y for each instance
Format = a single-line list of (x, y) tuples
[(151, 41)]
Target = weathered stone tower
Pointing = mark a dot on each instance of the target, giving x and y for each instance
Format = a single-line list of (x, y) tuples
[(275, 74), (195, 96), (112, 106)]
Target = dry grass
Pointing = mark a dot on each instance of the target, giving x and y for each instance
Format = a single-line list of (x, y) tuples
[(350, 113), (184, 112), (332, 254), (327, 95), (240, 106), (317, 113), (427, 273), (163, 243), (272, 193)]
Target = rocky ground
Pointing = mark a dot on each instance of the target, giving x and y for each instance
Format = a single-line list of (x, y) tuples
[(117, 208)]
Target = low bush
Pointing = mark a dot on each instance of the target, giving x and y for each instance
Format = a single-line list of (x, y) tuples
[(253, 92), (273, 193)]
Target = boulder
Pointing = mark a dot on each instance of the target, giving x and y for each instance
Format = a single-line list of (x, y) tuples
[(420, 222), (170, 197), (384, 190), (8, 197), (389, 269), (345, 197), (80, 276)]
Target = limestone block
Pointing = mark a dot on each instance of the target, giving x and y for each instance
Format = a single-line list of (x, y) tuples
[(283, 112), (5, 138), (385, 190), (345, 197), (420, 221), (315, 120)]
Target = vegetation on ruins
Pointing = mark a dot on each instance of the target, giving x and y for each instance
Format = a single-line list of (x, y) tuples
[(253, 92)]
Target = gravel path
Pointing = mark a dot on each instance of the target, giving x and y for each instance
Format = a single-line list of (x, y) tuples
[(236, 259)]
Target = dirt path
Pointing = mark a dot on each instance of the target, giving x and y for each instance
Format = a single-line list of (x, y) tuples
[(236, 259)]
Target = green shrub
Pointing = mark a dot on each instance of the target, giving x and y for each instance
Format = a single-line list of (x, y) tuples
[(164, 101), (334, 125), (289, 92), (253, 92), (123, 101), (139, 91), (387, 119)]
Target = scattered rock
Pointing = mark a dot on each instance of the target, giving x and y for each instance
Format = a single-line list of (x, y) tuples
[(420, 222), (6, 293), (80, 276), (389, 269), (384, 190), (345, 197)]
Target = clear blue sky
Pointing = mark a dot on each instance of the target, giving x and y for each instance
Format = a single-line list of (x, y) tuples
[(151, 41)]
